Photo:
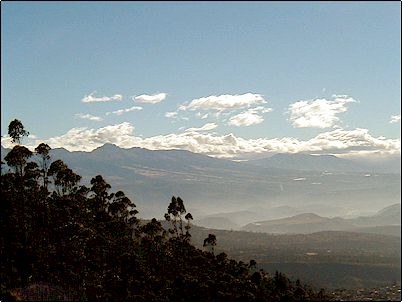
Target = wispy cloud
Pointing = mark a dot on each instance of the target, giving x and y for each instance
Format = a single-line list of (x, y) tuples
[(92, 99), (395, 119), (206, 127), (202, 116), (122, 111), (89, 117), (172, 114), (318, 113), (150, 99), (224, 102), (250, 117)]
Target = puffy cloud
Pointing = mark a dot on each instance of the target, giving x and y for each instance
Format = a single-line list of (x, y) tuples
[(395, 119), (206, 127), (150, 99), (122, 111), (250, 117), (339, 141), (245, 119), (89, 117), (224, 102), (319, 113), (92, 99)]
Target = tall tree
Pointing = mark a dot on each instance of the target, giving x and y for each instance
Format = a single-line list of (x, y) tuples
[(43, 151), (176, 210)]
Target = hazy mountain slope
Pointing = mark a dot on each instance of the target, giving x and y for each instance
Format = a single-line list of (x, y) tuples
[(330, 163), (309, 223), (309, 163), (390, 215), (214, 185), (219, 223), (303, 223)]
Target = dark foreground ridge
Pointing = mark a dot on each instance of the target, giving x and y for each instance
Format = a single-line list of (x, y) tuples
[(64, 241)]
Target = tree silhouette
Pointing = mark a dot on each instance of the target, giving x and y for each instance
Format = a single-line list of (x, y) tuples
[(43, 151), (176, 210), (16, 131), (17, 158), (65, 179)]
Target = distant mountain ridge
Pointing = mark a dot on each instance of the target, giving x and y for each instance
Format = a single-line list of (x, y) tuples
[(212, 185), (310, 223), (329, 163)]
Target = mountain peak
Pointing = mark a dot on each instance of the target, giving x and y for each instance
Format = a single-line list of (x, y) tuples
[(107, 147)]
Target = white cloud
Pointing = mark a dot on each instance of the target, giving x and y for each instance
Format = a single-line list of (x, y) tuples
[(395, 119), (206, 127), (339, 141), (89, 117), (259, 109), (171, 114), (150, 99), (250, 117), (319, 113), (224, 102), (92, 99), (85, 139), (245, 119), (122, 111)]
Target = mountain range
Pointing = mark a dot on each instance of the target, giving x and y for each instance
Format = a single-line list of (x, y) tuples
[(324, 185)]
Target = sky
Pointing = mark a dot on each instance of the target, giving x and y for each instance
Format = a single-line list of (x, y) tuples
[(227, 79)]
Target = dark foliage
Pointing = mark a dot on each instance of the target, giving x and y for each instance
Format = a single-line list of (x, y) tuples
[(62, 239)]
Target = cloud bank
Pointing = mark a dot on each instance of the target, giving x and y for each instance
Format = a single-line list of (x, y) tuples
[(338, 141)]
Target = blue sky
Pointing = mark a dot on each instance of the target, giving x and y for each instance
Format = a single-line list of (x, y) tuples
[(266, 77)]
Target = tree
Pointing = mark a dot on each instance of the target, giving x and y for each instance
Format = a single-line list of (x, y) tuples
[(65, 179), (17, 158), (123, 208), (16, 131), (176, 210), (210, 241), (43, 151)]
